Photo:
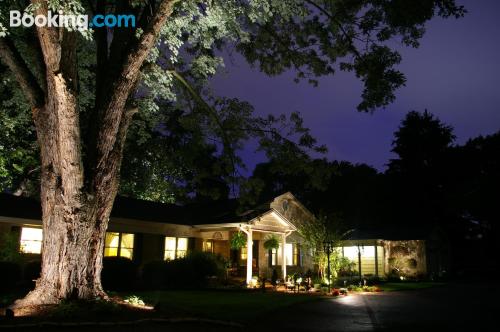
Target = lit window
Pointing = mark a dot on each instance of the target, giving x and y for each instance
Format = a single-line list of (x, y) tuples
[(296, 255), (289, 253), (243, 255), (175, 247), (127, 245), (119, 244), (182, 247), (274, 257), (208, 246), (292, 255), (170, 248), (351, 253), (31, 240), (368, 251)]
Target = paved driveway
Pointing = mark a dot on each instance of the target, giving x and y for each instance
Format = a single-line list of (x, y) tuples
[(448, 308)]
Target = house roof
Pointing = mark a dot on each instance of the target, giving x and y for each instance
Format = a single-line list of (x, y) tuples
[(403, 232), (19, 207), (209, 212)]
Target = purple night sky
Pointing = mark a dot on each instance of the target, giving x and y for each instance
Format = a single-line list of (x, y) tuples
[(454, 74)]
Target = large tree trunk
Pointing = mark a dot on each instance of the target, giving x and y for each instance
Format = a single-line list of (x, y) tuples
[(75, 218), (74, 221), (76, 200)]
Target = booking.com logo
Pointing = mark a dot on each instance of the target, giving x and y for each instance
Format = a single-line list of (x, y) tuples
[(76, 22)]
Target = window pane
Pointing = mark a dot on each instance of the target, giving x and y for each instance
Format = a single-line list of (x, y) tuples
[(208, 246), (31, 240), (111, 252), (169, 255), (274, 256), (127, 241), (182, 244), (33, 234), (351, 253), (170, 243), (126, 252), (111, 244), (243, 255), (181, 253), (169, 248), (289, 253), (296, 255), (112, 239), (368, 251)]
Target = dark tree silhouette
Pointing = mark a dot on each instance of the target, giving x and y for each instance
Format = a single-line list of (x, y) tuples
[(419, 175)]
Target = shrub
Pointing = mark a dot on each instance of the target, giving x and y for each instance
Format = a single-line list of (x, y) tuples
[(335, 292), (194, 270), (356, 289), (345, 267), (154, 275), (411, 263), (134, 300), (400, 251), (9, 248), (190, 272), (10, 274), (118, 274)]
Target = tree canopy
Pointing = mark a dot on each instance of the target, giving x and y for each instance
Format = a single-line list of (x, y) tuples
[(314, 38)]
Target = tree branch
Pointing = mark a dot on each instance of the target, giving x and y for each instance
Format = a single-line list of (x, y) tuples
[(29, 85), (110, 114), (212, 113), (353, 48)]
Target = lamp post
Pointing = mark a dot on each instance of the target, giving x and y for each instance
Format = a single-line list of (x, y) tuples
[(328, 247)]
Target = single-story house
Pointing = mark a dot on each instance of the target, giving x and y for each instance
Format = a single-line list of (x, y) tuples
[(146, 231)]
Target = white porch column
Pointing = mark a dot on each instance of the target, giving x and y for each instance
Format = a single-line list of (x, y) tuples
[(283, 255), (249, 256)]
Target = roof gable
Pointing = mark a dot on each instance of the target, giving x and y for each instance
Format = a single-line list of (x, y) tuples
[(291, 208)]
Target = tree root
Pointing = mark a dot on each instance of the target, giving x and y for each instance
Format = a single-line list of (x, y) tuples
[(46, 296)]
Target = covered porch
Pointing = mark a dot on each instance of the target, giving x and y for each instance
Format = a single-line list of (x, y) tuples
[(252, 260)]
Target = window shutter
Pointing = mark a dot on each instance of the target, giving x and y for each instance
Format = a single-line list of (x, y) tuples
[(191, 244), (138, 250)]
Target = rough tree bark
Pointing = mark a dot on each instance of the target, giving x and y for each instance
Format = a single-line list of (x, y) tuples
[(76, 200)]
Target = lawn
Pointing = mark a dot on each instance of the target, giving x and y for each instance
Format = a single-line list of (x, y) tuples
[(242, 306), (402, 286), (239, 306)]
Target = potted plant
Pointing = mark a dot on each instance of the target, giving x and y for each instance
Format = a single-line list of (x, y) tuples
[(271, 242), (238, 240)]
